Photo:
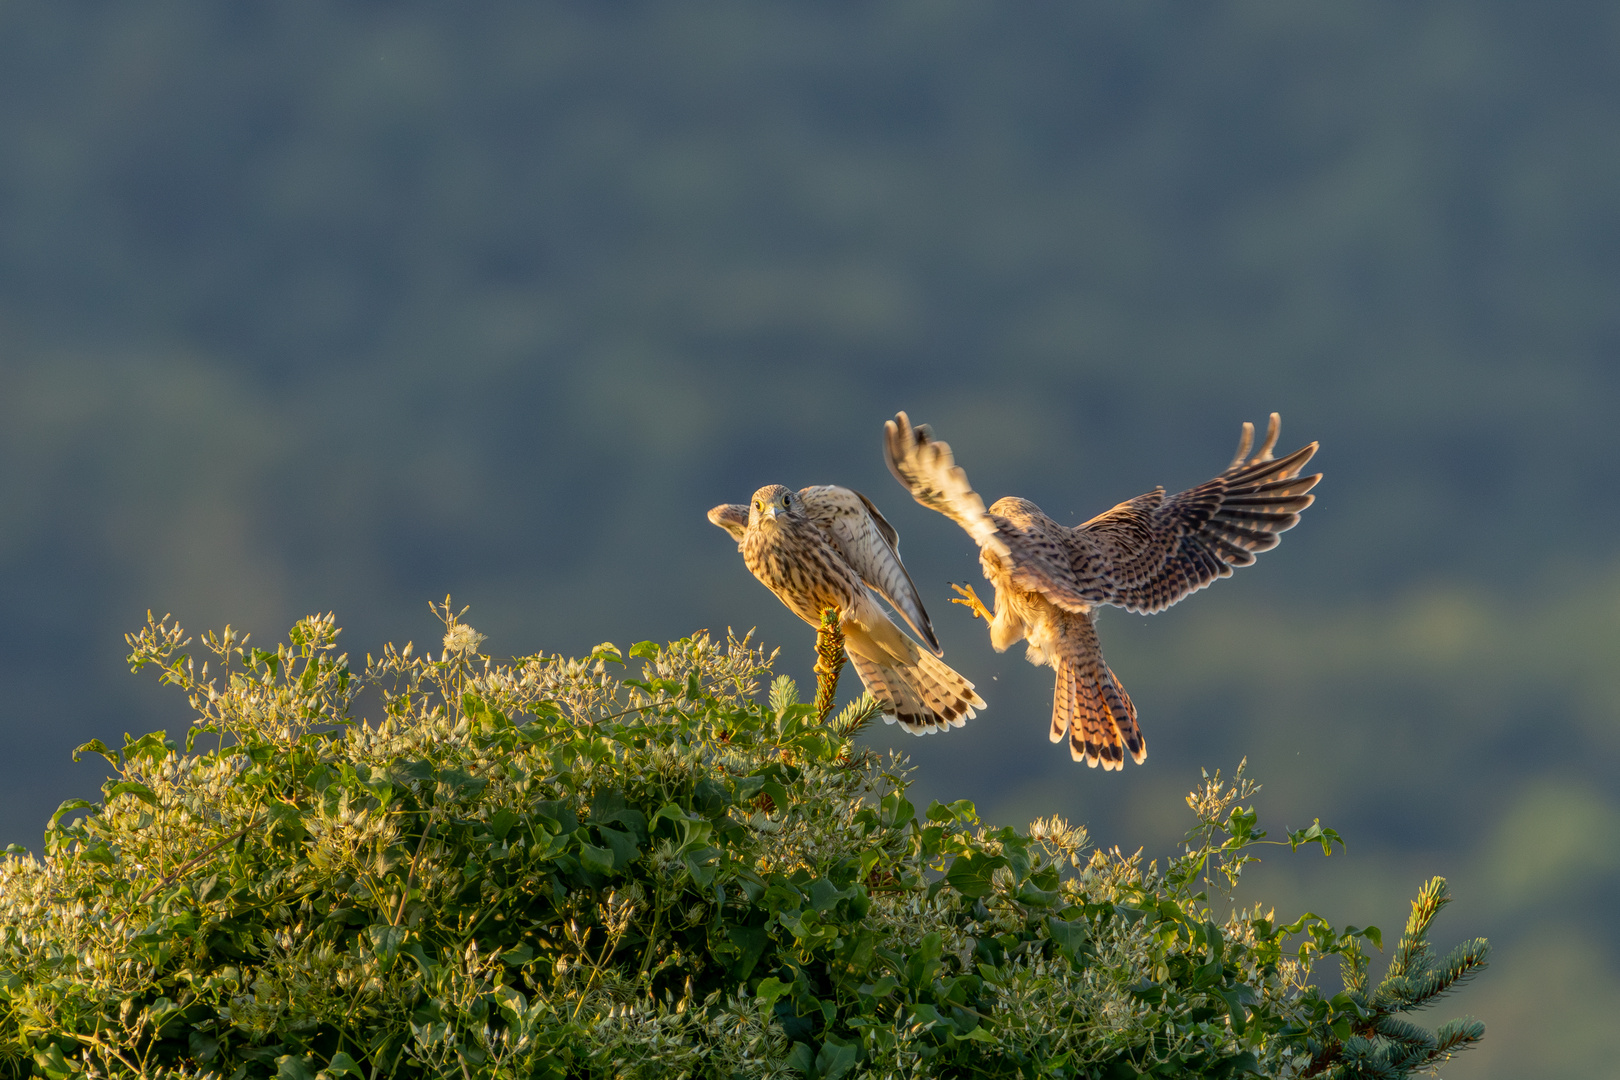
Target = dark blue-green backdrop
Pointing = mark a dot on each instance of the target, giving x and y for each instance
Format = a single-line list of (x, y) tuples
[(349, 306)]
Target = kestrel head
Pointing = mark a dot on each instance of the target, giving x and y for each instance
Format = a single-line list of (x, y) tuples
[(771, 502)]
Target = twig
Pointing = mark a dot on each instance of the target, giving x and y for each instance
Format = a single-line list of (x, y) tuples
[(410, 878), (170, 879)]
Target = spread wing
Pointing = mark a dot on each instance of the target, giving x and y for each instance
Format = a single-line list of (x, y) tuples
[(872, 548), (1149, 552), (925, 467), (732, 517), (1035, 560)]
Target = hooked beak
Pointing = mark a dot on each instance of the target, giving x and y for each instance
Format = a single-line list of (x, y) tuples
[(773, 511)]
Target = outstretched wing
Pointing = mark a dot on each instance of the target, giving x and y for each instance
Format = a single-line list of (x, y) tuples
[(925, 467), (732, 517), (1030, 546), (1149, 552), (872, 548)]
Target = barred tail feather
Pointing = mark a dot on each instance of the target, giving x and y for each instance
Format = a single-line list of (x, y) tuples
[(922, 695), (1091, 707)]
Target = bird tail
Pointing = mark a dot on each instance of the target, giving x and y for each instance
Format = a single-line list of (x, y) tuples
[(919, 691), (1090, 705)]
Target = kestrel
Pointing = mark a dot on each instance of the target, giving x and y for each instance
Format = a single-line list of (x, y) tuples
[(814, 549), (1143, 556)]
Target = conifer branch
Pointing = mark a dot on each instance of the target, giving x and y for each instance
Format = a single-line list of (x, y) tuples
[(829, 662)]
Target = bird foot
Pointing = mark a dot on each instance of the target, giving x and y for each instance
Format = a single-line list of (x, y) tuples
[(970, 600)]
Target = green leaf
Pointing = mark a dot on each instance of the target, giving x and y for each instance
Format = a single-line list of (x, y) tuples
[(1071, 938), (557, 814), (53, 1064), (970, 874), (598, 860), (135, 788), (621, 843), (460, 784), (1245, 1062), (748, 944), (770, 989), (511, 1002), (385, 942), (96, 746), (1371, 933), (293, 1067), (837, 1058), (1234, 1009), (644, 650), (341, 1065), (926, 1015), (501, 822), (204, 1046), (802, 1058), (67, 807), (1315, 834), (154, 746), (709, 796), (415, 951)]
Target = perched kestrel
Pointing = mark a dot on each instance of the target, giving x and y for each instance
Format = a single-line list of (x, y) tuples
[(814, 548), (1143, 556)]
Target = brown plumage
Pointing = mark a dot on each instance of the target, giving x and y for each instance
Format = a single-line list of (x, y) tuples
[(823, 547), (1143, 555)]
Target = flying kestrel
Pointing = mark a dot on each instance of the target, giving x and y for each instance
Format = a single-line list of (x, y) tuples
[(814, 549), (1143, 556)]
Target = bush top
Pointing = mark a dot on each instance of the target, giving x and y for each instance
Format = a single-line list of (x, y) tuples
[(564, 867)]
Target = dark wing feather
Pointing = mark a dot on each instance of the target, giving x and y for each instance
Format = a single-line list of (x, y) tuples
[(1152, 551)]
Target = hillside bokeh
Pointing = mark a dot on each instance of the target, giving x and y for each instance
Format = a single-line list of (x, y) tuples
[(309, 307)]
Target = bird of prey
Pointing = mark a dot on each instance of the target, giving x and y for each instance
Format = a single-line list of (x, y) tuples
[(1143, 555), (814, 549)]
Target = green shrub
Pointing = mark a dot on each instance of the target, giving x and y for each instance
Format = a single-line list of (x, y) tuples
[(548, 868)]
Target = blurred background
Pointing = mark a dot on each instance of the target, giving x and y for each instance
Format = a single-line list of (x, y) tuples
[(310, 307)]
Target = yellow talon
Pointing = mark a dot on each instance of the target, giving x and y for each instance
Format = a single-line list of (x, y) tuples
[(971, 601)]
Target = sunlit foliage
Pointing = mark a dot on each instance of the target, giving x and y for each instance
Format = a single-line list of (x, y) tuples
[(554, 867)]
